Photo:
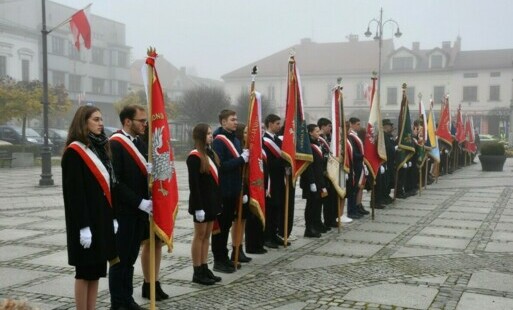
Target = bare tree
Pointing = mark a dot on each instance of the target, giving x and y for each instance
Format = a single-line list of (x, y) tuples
[(203, 103), (242, 107)]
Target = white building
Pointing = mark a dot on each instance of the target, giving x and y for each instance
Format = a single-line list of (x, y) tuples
[(478, 80), (102, 73)]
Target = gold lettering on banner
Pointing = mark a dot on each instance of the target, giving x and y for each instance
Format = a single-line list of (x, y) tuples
[(157, 116)]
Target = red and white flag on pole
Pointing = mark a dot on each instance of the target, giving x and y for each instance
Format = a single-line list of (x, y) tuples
[(460, 127), (81, 28), (374, 144)]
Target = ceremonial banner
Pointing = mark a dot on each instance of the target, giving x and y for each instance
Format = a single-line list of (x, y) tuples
[(405, 145), (374, 144), (296, 148), (164, 188), (432, 139), (460, 127), (421, 135), (256, 158), (444, 125), (470, 145), (338, 161)]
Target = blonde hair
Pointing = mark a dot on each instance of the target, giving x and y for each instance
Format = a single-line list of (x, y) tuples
[(11, 304)]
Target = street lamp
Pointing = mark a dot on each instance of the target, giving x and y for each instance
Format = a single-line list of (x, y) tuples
[(379, 37)]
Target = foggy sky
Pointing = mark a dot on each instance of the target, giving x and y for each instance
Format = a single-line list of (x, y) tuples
[(216, 37)]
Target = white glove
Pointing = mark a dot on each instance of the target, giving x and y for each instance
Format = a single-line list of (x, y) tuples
[(313, 188), (245, 199), (200, 215), (365, 170), (405, 165), (86, 238), (149, 167), (409, 164), (245, 155), (346, 176), (116, 225), (382, 170), (288, 170), (396, 147), (324, 190), (146, 206), (446, 151)]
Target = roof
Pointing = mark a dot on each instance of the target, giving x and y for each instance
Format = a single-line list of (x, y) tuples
[(484, 59), (320, 59)]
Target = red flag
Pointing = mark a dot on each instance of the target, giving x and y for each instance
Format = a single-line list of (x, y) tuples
[(374, 144), (470, 145), (444, 126), (80, 27), (460, 130), (256, 159), (164, 187), (296, 148)]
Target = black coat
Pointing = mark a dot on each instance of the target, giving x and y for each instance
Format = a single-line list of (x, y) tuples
[(230, 172), (132, 185), (276, 167), (205, 193), (314, 173), (85, 205)]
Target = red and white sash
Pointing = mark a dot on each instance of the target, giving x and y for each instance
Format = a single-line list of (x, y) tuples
[(213, 168), (129, 146), (272, 146), (96, 166), (317, 149), (325, 143), (358, 140), (229, 145)]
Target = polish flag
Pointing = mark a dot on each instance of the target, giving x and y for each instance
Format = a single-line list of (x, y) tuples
[(80, 27)]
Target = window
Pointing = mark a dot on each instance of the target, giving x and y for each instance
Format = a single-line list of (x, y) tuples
[(436, 61), (75, 83), (25, 70), (470, 75), (410, 92), (402, 63), (57, 78), (122, 88), (469, 93), (122, 59), (98, 56), (495, 74), (270, 92), (3, 65), (438, 94), (58, 46), (392, 96), (495, 93), (360, 91), (73, 52), (98, 86)]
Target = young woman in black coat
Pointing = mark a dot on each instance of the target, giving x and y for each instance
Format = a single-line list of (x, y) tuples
[(87, 178), (204, 200)]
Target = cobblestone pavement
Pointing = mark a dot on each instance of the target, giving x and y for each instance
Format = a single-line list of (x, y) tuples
[(450, 248)]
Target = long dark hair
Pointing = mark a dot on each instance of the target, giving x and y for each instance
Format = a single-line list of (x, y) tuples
[(199, 135), (78, 129)]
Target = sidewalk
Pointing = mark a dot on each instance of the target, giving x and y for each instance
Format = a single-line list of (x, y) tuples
[(450, 248)]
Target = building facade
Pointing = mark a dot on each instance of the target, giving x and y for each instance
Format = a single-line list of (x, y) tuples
[(481, 81), (100, 75)]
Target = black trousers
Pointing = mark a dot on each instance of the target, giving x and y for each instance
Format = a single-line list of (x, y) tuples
[(225, 219), (313, 210), (128, 241), (290, 217), (330, 205), (273, 212), (254, 233)]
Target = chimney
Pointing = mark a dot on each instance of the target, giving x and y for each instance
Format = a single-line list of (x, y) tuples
[(306, 41), (457, 44), (415, 46), (446, 45)]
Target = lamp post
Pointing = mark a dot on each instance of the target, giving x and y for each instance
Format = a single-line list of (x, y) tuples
[(379, 37)]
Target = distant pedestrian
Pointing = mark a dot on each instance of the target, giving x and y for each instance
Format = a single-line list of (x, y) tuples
[(87, 179)]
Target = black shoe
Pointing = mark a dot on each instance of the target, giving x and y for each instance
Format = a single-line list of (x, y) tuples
[(134, 306), (256, 251), (312, 233), (242, 256), (146, 291), (280, 241), (401, 195), (362, 210), (224, 267), (270, 244), (354, 215), (160, 294), (379, 206), (210, 274), (320, 228), (201, 277), (411, 193), (388, 200), (118, 308)]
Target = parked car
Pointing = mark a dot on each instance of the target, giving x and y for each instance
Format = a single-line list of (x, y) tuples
[(2, 142), (485, 137), (58, 138), (13, 134)]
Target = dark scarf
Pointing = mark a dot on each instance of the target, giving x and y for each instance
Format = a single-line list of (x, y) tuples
[(98, 143)]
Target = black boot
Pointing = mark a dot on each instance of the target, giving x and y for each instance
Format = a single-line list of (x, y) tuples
[(201, 277), (361, 210), (146, 291), (242, 256), (210, 274), (160, 294)]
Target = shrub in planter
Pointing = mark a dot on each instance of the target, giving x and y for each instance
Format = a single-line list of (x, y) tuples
[(492, 156)]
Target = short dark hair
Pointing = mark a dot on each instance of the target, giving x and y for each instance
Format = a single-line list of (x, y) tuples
[(129, 111), (323, 121), (271, 118), (311, 127), (417, 122), (224, 114), (354, 120)]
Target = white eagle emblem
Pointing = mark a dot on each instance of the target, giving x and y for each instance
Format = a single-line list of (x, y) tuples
[(162, 166)]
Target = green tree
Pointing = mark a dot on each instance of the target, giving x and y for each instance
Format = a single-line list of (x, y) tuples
[(203, 103)]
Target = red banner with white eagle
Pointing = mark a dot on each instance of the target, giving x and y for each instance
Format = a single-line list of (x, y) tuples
[(163, 183), (374, 143)]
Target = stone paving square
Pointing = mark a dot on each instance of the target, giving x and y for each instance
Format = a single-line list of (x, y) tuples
[(14, 234), (383, 227), (57, 259), (56, 213), (499, 247), (49, 224), (62, 286), (453, 223), (439, 242), (392, 219), (374, 237), (17, 220), (416, 251), (349, 249), (313, 261), (463, 216), (55, 239), (433, 230), (484, 210), (472, 301), (395, 295), (506, 218), (404, 212), (494, 281), (9, 252), (13, 276), (502, 235)]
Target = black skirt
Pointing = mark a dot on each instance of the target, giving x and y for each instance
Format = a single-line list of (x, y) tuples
[(91, 272)]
